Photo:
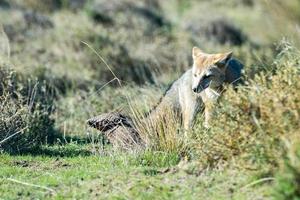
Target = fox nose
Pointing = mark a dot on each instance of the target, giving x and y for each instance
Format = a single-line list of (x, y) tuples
[(195, 90)]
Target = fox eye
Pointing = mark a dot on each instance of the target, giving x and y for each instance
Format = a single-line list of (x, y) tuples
[(195, 75)]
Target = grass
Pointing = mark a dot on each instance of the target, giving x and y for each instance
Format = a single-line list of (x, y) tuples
[(152, 175)]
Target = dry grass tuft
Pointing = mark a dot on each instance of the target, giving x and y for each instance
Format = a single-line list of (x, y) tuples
[(161, 132), (25, 111)]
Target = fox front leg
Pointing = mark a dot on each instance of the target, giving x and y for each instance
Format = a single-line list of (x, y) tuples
[(188, 120), (189, 104), (190, 113)]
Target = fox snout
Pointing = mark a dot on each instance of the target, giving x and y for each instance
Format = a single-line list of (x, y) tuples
[(198, 89), (201, 85)]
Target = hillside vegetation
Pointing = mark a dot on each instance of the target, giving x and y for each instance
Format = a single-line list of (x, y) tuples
[(65, 61)]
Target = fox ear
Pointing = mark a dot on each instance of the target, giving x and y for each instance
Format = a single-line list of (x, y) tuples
[(222, 59), (196, 52)]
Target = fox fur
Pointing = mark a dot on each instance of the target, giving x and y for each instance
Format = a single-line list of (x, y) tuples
[(199, 87)]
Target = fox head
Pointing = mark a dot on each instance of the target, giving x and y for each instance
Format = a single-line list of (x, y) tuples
[(208, 70)]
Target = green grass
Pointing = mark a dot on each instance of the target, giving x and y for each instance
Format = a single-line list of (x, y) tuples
[(151, 175)]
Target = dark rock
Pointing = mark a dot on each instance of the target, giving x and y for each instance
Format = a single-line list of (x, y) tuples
[(118, 129), (225, 32), (103, 12), (220, 31), (149, 14), (249, 3), (10, 31), (77, 4), (36, 19), (108, 121), (4, 4), (32, 25), (153, 4), (106, 12), (102, 18)]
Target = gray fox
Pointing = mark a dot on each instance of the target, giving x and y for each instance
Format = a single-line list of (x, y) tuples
[(200, 86)]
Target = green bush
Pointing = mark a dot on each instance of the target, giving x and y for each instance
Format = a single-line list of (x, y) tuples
[(288, 177), (252, 122)]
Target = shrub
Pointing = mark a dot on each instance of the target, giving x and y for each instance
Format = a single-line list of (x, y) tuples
[(24, 119), (288, 178), (252, 121)]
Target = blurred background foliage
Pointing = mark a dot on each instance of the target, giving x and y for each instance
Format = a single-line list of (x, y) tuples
[(51, 81)]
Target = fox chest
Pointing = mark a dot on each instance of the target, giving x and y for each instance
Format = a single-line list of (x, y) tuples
[(209, 95)]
